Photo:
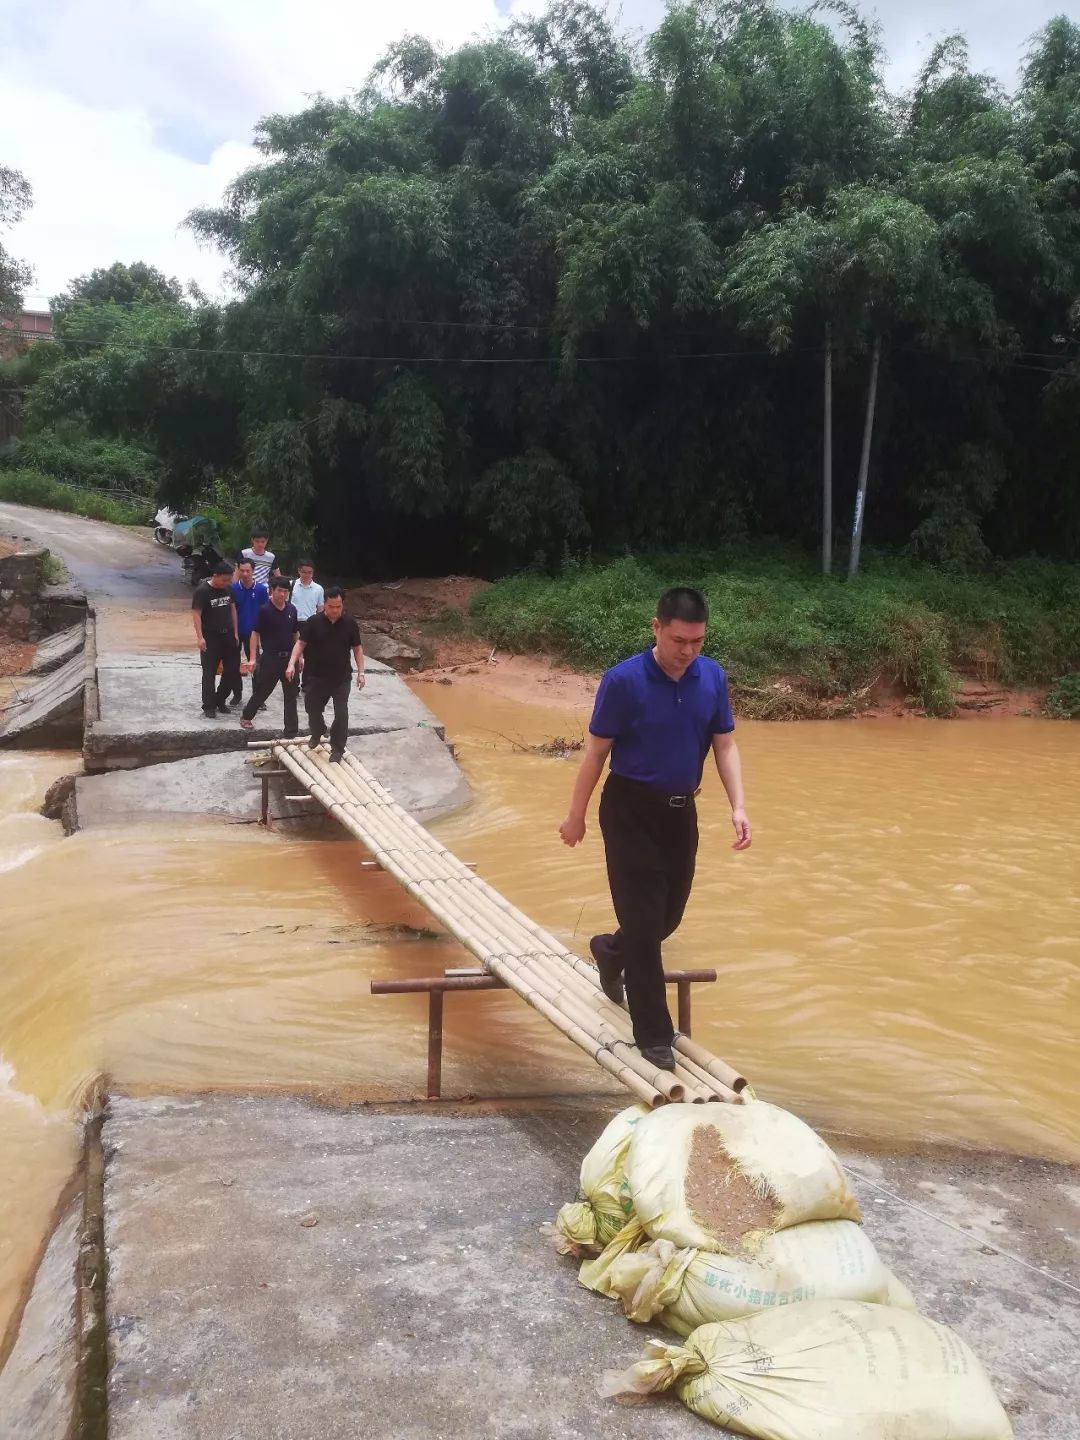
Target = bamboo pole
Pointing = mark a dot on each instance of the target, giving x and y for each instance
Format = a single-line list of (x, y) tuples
[(523, 985), (370, 813), (710, 1063), (533, 967)]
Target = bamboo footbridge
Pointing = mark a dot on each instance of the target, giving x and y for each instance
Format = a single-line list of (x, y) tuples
[(563, 987)]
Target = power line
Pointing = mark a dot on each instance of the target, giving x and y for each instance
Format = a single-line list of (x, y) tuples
[(401, 359)]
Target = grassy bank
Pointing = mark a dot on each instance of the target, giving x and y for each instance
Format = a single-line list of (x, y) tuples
[(797, 644), (31, 487)]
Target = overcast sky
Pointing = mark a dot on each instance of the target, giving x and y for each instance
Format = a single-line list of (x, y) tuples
[(126, 114)]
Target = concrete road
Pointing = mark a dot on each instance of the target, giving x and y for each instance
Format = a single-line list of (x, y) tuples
[(112, 563)]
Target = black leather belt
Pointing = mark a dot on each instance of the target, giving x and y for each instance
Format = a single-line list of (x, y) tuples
[(657, 797)]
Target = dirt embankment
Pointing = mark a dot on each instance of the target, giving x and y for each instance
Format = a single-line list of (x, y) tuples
[(431, 614)]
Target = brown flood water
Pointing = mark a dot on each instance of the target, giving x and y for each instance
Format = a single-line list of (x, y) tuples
[(898, 954)]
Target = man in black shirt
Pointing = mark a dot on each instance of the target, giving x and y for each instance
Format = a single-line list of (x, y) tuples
[(325, 642), (213, 613), (276, 632)]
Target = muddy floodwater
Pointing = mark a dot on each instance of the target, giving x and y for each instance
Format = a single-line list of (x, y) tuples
[(898, 954)]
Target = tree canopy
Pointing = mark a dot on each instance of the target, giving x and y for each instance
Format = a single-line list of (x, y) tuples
[(552, 291), (15, 199)]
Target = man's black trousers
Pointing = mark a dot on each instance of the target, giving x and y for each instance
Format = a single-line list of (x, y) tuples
[(318, 693), (272, 667), (238, 690), (651, 848), (223, 650)]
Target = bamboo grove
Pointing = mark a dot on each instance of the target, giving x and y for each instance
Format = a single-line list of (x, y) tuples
[(562, 291)]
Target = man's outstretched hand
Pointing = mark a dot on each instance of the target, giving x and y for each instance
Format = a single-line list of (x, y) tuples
[(572, 831), (743, 833)]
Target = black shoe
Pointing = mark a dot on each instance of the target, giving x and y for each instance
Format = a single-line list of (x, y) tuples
[(290, 735), (336, 757), (314, 742), (210, 714), (611, 981), (659, 1055), (223, 709)]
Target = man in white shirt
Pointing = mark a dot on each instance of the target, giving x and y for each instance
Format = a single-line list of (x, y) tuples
[(307, 594), (263, 561)]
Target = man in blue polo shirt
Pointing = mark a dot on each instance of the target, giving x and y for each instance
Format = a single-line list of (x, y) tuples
[(250, 596), (657, 715)]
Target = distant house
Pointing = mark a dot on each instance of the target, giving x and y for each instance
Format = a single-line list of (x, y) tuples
[(28, 327)]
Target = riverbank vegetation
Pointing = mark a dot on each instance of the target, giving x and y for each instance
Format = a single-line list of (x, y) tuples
[(795, 644)]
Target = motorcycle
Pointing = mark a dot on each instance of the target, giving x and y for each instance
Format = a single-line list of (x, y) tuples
[(198, 543), (164, 523)]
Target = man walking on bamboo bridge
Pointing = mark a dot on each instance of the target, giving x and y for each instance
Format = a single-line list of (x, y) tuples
[(326, 641), (657, 715)]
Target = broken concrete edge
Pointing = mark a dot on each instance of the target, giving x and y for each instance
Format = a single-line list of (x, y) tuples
[(59, 803), (49, 714), (91, 698), (226, 786), (91, 1288), (75, 1238), (106, 748)]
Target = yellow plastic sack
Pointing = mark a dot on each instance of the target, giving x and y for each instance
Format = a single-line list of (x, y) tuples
[(722, 1177), (826, 1370), (822, 1260), (588, 1225)]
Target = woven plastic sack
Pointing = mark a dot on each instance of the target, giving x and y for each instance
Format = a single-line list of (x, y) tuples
[(822, 1260), (722, 1177), (589, 1224), (826, 1370)]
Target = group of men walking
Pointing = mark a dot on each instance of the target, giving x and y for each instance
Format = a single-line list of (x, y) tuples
[(251, 620)]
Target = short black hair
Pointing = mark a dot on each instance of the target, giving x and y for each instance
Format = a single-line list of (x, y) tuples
[(333, 592), (245, 560), (682, 603), (301, 563), (223, 567), (279, 583), (260, 532)]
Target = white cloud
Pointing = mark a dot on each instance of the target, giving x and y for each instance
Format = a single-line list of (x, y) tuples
[(102, 100), (117, 74)]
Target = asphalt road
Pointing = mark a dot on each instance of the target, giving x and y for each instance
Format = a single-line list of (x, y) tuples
[(111, 563)]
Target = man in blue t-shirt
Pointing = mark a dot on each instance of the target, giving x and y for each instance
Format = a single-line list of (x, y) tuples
[(250, 596), (657, 715)]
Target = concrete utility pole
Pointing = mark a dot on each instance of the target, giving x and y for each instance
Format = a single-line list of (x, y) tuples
[(864, 464)]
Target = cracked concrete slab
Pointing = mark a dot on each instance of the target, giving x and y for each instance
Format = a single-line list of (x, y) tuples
[(414, 764), (150, 711)]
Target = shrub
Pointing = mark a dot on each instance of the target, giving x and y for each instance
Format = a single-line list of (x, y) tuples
[(1063, 702), (30, 487), (83, 460)]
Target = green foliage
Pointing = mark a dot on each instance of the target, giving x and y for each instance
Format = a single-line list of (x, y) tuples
[(773, 619), (530, 507), (1063, 701), (84, 460), (553, 293), (16, 198), (30, 487), (110, 290)]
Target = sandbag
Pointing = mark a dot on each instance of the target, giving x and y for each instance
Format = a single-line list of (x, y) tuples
[(826, 1370), (588, 1225), (722, 1177), (822, 1260)]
